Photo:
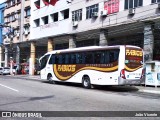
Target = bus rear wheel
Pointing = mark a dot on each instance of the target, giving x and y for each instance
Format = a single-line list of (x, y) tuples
[(49, 78), (86, 82)]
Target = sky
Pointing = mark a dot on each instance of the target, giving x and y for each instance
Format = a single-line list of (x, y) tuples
[(1, 1)]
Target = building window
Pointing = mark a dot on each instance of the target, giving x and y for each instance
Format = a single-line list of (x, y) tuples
[(26, 29), (36, 22), (18, 1), (155, 1), (77, 15), (66, 13), (10, 3), (132, 3), (91, 10), (45, 20), (37, 4), (54, 17), (6, 19), (18, 15), (27, 11), (12, 17)]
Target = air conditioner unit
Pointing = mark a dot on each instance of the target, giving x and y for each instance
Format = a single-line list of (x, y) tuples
[(131, 11), (18, 34), (95, 14), (26, 32), (104, 13), (75, 24)]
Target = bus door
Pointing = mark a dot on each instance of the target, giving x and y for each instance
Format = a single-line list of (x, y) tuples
[(43, 68), (133, 63)]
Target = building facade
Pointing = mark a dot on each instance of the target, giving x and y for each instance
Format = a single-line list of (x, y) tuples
[(16, 30), (61, 24)]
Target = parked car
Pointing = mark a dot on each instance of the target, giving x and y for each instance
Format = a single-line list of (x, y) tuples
[(1, 70), (6, 71)]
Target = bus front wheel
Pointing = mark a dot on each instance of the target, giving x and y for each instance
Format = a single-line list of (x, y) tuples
[(49, 78), (86, 82)]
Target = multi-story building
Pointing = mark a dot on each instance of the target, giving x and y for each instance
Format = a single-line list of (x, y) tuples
[(60, 24), (17, 30)]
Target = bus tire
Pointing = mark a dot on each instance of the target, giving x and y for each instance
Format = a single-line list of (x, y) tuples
[(49, 78), (86, 82)]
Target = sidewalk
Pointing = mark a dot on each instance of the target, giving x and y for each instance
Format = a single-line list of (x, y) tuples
[(142, 88)]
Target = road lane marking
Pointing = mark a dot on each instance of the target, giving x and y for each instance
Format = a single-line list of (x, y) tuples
[(9, 88)]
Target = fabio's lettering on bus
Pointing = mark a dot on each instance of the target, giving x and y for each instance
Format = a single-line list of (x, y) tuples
[(67, 68), (134, 52)]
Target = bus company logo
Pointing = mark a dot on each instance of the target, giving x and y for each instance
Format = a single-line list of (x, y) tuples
[(67, 68), (134, 52)]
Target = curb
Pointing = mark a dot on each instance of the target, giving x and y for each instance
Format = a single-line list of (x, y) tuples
[(150, 91)]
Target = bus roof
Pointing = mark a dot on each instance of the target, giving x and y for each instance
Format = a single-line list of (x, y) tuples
[(89, 48)]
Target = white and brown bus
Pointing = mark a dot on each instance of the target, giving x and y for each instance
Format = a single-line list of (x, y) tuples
[(97, 65)]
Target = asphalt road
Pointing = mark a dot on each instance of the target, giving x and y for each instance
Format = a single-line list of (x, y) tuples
[(30, 95)]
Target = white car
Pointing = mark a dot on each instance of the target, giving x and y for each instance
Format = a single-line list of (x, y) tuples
[(6, 71), (1, 70)]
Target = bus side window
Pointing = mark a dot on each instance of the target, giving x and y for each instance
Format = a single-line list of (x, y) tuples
[(107, 58), (56, 59), (97, 57), (79, 58), (73, 58), (52, 59), (113, 55), (61, 59), (44, 61), (67, 58), (88, 58)]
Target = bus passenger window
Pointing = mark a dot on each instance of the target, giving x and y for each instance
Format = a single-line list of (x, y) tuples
[(88, 58), (60, 59), (73, 58), (67, 58), (106, 57), (113, 55), (97, 58), (79, 58), (63, 58), (52, 59)]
